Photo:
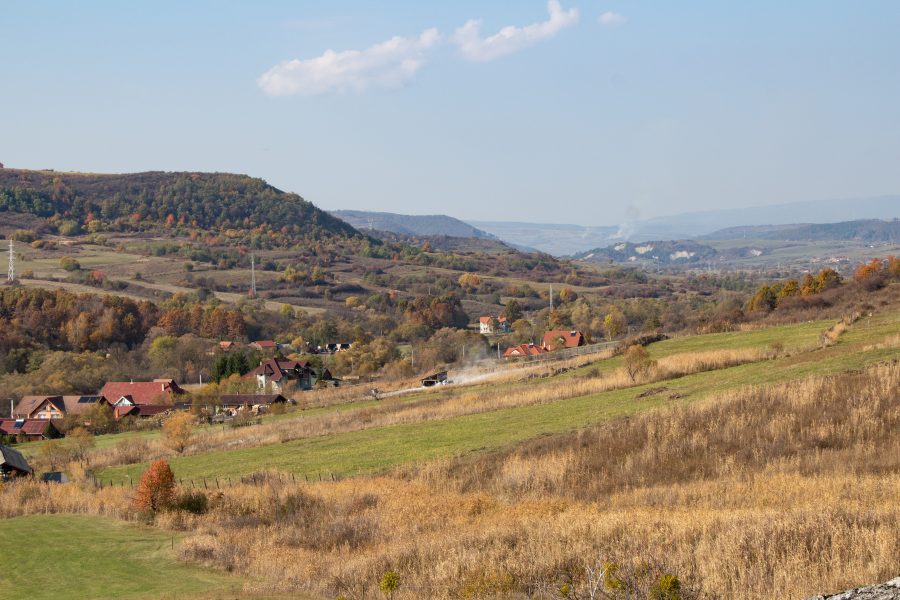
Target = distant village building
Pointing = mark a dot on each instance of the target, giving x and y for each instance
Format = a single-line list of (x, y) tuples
[(489, 325), (523, 350), (29, 430), (55, 407), (159, 392), (13, 464), (558, 340), (265, 347), (272, 375), (254, 402)]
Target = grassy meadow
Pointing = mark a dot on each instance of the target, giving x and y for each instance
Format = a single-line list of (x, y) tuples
[(94, 557), (752, 464)]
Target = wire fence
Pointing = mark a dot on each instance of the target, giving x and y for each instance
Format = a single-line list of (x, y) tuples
[(218, 483)]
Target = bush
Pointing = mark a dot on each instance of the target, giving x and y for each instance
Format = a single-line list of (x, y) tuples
[(194, 502), (69, 264)]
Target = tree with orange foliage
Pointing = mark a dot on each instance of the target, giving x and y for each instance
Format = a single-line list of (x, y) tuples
[(156, 489), (868, 270)]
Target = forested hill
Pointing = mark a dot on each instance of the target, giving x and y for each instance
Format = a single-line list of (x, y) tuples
[(138, 200)]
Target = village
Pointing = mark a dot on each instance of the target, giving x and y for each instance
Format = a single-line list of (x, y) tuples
[(275, 382)]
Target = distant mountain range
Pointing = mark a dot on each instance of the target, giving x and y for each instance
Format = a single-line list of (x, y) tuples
[(869, 230), (411, 225), (567, 239), (775, 244)]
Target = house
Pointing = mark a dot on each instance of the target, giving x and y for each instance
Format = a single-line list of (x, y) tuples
[(273, 374), (29, 429), (266, 347), (228, 346), (557, 340), (333, 348), (124, 408), (523, 350), (489, 325), (13, 464), (158, 392), (55, 407), (251, 401)]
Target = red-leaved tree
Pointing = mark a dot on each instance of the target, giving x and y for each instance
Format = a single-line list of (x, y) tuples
[(156, 489)]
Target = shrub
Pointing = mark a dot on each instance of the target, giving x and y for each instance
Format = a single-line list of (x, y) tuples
[(69, 264), (156, 489), (194, 502), (390, 581)]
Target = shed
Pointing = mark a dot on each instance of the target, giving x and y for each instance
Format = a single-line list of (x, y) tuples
[(12, 464)]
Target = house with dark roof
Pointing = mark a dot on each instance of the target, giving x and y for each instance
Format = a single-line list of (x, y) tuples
[(251, 401), (273, 374), (13, 464), (558, 340), (29, 429), (141, 411), (523, 350), (55, 407), (159, 392)]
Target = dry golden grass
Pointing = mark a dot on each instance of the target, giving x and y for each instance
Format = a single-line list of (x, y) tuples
[(778, 492)]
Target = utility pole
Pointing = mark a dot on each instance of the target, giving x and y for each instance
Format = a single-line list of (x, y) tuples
[(11, 273), (551, 296), (252, 276)]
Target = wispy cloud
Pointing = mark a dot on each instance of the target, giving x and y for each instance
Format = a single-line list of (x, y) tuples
[(511, 39), (612, 19), (388, 64)]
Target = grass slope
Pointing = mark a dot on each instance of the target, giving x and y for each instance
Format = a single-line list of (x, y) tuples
[(376, 449), (94, 557)]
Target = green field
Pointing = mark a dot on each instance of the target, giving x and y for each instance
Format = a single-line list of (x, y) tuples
[(376, 449), (78, 556)]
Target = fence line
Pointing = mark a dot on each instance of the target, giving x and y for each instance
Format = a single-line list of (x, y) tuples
[(218, 483)]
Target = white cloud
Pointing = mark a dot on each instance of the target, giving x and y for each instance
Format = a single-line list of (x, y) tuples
[(511, 39), (612, 19), (388, 64)]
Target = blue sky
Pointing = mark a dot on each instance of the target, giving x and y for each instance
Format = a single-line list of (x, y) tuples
[(578, 111)]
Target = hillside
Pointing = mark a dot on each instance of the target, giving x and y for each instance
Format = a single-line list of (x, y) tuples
[(412, 225), (693, 224), (137, 201), (869, 230), (569, 239)]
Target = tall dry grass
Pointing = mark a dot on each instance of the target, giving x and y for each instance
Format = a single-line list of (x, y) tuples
[(775, 492)]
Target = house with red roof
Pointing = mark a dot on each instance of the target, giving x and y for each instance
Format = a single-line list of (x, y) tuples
[(265, 347), (272, 375), (523, 350), (558, 340), (29, 429), (489, 325), (159, 392)]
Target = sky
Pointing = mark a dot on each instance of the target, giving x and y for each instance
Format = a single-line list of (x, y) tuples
[(568, 111)]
